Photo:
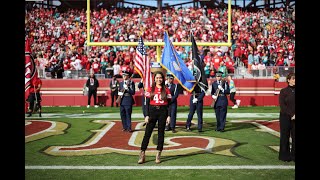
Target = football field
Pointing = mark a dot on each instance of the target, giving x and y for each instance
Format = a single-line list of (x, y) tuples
[(81, 143)]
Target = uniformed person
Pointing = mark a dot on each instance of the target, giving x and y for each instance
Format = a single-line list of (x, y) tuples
[(126, 92), (196, 103), (173, 104), (220, 89), (34, 97), (114, 86)]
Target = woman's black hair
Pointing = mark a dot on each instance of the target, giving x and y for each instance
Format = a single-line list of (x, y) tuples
[(163, 89)]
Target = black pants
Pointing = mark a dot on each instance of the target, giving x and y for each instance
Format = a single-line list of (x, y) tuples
[(34, 99), (287, 128), (94, 93), (232, 98), (155, 115), (114, 96)]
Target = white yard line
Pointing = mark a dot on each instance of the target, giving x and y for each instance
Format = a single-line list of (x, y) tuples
[(163, 167)]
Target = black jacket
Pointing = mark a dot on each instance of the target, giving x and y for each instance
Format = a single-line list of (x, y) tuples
[(95, 85)]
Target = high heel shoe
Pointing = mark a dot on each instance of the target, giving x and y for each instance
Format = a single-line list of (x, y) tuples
[(142, 157)]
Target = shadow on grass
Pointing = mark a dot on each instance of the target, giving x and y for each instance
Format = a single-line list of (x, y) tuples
[(211, 126)]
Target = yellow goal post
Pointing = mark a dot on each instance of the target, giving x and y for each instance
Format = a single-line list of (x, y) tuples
[(158, 44)]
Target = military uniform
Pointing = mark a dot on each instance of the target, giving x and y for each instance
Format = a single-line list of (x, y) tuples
[(114, 86), (126, 91), (221, 103), (173, 104), (196, 103)]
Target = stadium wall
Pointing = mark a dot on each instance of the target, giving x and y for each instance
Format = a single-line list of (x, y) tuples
[(69, 92)]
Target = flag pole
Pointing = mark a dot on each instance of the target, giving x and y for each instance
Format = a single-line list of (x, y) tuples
[(143, 78), (193, 92)]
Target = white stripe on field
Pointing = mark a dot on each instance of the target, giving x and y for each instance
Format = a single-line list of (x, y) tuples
[(162, 167)]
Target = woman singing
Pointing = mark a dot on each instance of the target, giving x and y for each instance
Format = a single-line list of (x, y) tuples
[(157, 100)]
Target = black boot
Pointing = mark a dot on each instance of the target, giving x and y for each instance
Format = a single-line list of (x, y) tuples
[(40, 114)]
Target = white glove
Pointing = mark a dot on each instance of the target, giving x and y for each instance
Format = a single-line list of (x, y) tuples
[(195, 100), (220, 87), (125, 86), (293, 117), (214, 97), (120, 93), (146, 119), (168, 121), (87, 89)]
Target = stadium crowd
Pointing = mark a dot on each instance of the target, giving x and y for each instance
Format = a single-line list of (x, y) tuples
[(259, 39)]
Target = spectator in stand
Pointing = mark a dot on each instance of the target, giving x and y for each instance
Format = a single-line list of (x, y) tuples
[(222, 68), (271, 29), (109, 71), (116, 69), (96, 66), (250, 61), (233, 90), (103, 66)]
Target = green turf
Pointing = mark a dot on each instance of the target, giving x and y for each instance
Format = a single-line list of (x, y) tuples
[(252, 149), (161, 174)]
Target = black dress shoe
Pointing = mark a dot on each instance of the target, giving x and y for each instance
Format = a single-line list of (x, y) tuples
[(29, 115), (174, 131), (200, 130), (222, 130), (216, 130)]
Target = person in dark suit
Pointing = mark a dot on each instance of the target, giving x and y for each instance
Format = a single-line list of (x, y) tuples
[(287, 120), (114, 86), (173, 103), (92, 85), (220, 89), (143, 106), (126, 92), (196, 103)]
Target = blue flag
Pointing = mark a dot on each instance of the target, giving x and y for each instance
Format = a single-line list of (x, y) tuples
[(173, 63)]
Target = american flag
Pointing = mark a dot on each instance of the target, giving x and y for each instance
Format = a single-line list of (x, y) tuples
[(142, 64)]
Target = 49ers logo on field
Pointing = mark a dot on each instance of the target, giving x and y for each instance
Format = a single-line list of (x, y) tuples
[(39, 129), (110, 139)]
